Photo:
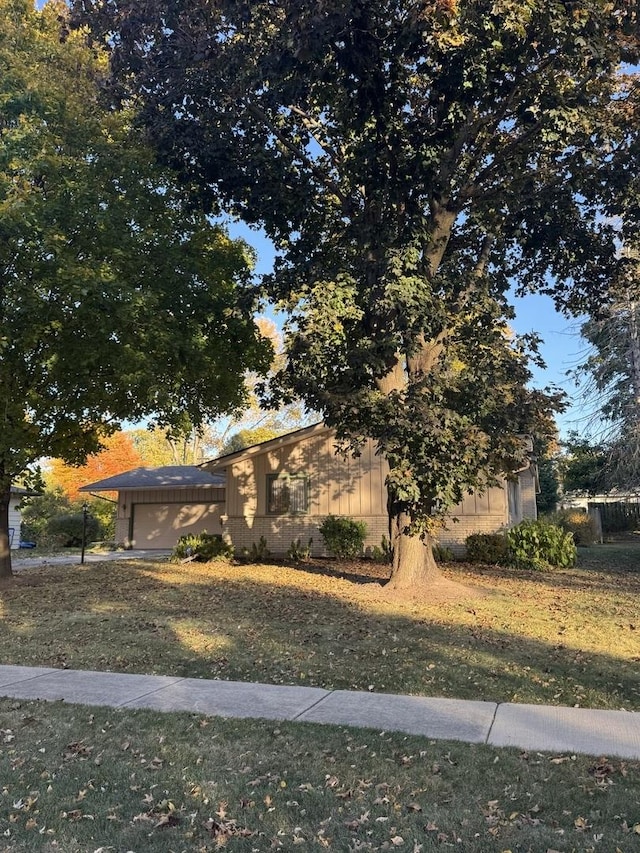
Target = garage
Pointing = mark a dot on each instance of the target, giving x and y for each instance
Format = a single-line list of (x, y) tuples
[(161, 525), (156, 506)]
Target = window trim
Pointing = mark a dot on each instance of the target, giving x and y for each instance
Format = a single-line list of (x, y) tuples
[(286, 477)]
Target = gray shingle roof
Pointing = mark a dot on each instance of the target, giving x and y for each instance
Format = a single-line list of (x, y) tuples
[(167, 477)]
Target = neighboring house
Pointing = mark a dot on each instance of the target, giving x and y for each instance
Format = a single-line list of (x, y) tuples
[(282, 490), (15, 515)]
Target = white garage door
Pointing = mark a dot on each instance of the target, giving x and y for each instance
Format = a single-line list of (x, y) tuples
[(161, 525)]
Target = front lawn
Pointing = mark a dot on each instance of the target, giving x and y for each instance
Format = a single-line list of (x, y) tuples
[(569, 637)]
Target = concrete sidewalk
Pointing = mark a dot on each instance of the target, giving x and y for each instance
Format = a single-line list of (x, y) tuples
[(24, 562), (533, 727)]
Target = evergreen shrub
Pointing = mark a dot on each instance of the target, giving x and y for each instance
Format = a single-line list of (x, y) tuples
[(203, 547), (343, 537), (491, 548), (66, 530)]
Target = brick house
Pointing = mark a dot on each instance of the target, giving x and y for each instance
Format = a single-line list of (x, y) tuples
[(282, 490)]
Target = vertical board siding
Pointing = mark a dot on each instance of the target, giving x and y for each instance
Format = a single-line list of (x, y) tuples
[(15, 520), (342, 486)]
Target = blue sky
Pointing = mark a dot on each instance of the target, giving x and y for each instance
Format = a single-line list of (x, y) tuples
[(562, 345)]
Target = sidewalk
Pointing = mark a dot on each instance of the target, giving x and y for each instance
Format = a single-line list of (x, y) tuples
[(531, 727)]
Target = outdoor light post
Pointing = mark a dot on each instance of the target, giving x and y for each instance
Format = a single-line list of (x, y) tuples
[(85, 510)]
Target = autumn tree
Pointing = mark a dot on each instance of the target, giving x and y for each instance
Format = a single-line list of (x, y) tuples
[(409, 159), (118, 454), (117, 298)]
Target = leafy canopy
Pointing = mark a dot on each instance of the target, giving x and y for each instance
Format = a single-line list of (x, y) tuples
[(408, 158), (117, 299)]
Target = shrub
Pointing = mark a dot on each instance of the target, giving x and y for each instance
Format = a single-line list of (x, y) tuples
[(203, 547), (259, 552), (578, 523), (66, 530), (442, 554), (343, 537), (299, 553), (539, 544), (381, 553), (489, 548)]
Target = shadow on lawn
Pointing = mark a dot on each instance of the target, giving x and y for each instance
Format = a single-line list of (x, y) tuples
[(589, 574), (131, 618)]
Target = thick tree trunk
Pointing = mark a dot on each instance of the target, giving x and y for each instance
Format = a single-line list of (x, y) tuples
[(5, 549), (414, 569)]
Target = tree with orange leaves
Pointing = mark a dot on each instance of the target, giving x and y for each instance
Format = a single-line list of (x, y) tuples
[(119, 455)]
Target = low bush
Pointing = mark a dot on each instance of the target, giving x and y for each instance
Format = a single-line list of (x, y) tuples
[(539, 545), (578, 523), (259, 552), (489, 548), (299, 553), (381, 553), (442, 554), (343, 537), (203, 547), (66, 530)]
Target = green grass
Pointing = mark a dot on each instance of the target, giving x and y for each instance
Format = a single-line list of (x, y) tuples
[(569, 637), (78, 779)]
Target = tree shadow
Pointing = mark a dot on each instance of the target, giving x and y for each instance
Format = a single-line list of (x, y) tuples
[(139, 617)]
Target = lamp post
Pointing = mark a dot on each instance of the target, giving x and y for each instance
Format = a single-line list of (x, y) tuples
[(85, 510)]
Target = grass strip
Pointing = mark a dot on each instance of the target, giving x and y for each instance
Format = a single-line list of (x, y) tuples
[(90, 779)]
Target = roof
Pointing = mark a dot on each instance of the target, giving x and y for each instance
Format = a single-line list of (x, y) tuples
[(166, 477), (18, 490), (278, 441)]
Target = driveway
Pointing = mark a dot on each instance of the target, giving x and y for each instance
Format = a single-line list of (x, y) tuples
[(60, 559)]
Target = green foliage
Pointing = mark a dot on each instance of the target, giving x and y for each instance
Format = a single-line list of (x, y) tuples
[(576, 522), (45, 519), (66, 530), (38, 511), (343, 537), (491, 548), (122, 293), (259, 552), (105, 513), (203, 547), (545, 450), (299, 553), (412, 161), (247, 437), (539, 545), (381, 553), (442, 554), (584, 466)]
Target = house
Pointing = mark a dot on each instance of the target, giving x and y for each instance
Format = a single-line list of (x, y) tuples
[(15, 515), (281, 490)]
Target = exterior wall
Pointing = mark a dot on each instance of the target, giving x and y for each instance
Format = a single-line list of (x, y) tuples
[(337, 486), (485, 513), (15, 520), (528, 492)]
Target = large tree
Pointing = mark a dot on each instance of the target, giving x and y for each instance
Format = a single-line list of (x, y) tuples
[(117, 299), (609, 380), (408, 158)]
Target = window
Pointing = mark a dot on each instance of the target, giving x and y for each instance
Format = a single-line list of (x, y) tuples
[(287, 494)]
